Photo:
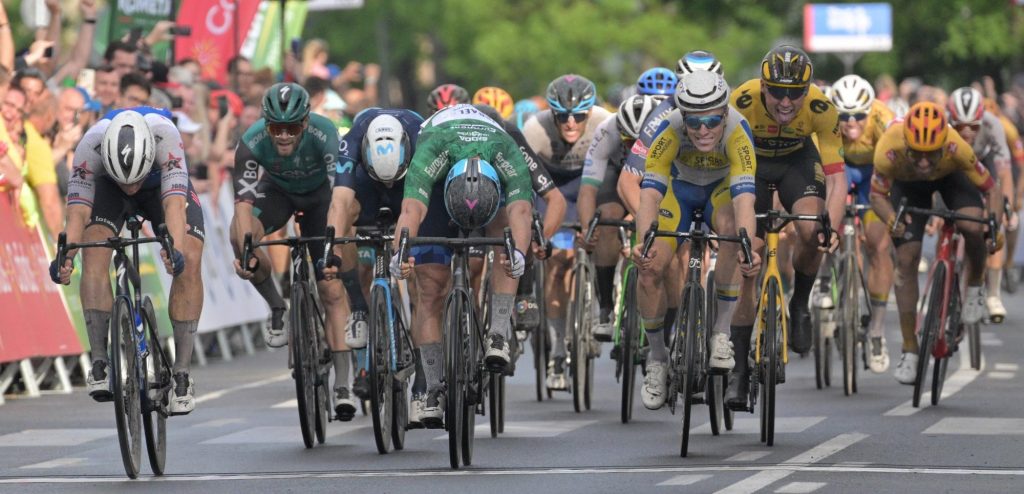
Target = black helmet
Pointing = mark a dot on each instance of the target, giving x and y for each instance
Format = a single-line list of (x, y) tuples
[(571, 93), (787, 65), (447, 95), (472, 193)]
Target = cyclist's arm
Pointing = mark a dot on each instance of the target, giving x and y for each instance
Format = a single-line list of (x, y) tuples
[(82, 184), (742, 170), (595, 166), (515, 178), (245, 176), (976, 172), (656, 179), (342, 215), (830, 146), (881, 180), (555, 212), (174, 182), (628, 188), (1001, 155), (420, 180)]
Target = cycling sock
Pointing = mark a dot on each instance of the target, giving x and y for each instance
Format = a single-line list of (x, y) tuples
[(419, 383), (994, 283), (557, 336), (908, 321), (350, 279), (877, 327), (184, 337), (605, 287), (97, 325), (342, 363), (501, 313), (726, 296), (802, 284), (657, 350), (433, 361), (268, 290), (740, 337)]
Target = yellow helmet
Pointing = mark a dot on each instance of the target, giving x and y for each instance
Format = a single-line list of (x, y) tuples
[(497, 98), (925, 127)]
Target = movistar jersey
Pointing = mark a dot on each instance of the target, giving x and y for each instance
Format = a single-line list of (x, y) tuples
[(303, 171)]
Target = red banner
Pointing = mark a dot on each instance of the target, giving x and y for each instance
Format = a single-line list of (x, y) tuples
[(213, 25), (33, 319)]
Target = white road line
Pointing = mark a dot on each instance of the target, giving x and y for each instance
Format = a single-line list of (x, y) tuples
[(766, 477), (684, 480), (978, 426), (213, 395), (748, 456), (59, 462), (899, 471), (292, 403), (1003, 366), (800, 487), (954, 383), (1000, 375)]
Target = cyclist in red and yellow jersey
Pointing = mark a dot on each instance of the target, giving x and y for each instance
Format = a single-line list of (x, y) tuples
[(914, 159)]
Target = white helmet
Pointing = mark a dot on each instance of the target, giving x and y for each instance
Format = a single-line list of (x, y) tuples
[(701, 90), (128, 148), (632, 113), (966, 106), (698, 60), (852, 94), (386, 153)]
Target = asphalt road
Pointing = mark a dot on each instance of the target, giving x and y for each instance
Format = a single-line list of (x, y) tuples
[(244, 437)]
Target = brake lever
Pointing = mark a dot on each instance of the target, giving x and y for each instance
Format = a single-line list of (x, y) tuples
[(592, 226), (649, 239), (748, 258), (247, 254), (403, 245), (826, 230)]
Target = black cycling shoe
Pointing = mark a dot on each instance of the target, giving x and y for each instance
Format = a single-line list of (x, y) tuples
[(361, 385), (345, 406), (738, 390), (799, 327)]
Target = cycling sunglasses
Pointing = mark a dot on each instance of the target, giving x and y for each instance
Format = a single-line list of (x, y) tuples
[(709, 121), (292, 129), (860, 117), (783, 92), (932, 156), (963, 126), (563, 117)]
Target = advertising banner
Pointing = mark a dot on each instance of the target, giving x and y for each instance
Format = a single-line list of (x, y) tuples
[(847, 27), (214, 37)]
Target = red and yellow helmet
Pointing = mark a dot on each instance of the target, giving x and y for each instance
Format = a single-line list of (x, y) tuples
[(497, 98), (925, 127)]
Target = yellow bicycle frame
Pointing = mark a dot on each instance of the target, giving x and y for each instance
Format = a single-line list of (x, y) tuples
[(771, 271)]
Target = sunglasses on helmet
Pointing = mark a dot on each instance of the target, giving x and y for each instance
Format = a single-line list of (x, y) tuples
[(860, 116), (710, 121), (291, 129), (783, 92), (563, 117)]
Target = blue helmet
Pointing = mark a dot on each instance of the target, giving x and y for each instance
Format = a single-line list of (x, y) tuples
[(472, 193), (571, 93), (523, 110), (658, 81)]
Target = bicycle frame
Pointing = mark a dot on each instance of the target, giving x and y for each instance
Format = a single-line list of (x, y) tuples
[(949, 243)]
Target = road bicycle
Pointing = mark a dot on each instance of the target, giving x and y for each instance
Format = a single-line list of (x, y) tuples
[(466, 377), (310, 356), (140, 369), (689, 373)]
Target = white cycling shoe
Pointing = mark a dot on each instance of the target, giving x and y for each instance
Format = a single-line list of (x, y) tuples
[(878, 356), (721, 354), (97, 381), (182, 395), (996, 310), (973, 308), (653, 390), (906, 369)]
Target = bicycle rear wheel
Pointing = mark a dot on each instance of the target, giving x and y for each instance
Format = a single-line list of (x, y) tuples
[(539, 340), (124, 377), (850, 323), (952, 324), (688, 363), (629, 343), (455, 378), (475, 385), (303, 365), (579, 312), (770, 361), (378, 354), (154, 420), (928, 329), (713, 395)]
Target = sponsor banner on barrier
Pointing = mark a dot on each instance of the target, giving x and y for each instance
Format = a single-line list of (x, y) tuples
[(33, 322)]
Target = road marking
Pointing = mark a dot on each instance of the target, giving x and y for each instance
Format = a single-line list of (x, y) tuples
[(535, 428), (962, 377), (684, 480), (213, 395), (220, 422), (278, 434), (1003, 366), (748, 456), (766, 477), (800, 487), (293, 403), (977, 426), (783, 425), (901, 472), (59, 462), (989, 339), (1000, 375), (53, 437)]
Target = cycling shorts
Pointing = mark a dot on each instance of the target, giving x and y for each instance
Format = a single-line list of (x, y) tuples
[(859, 179), (957, 193), (565, 238), (794, 176), (112, 206), (683, 198), (274, 207)]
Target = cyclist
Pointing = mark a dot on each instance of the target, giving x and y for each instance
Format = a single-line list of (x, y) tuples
[(523, 110), (131, 163), (862, 120), (497, 98), (703, 158), (561, 136), (296, 151), (487, 184), (784, 110), (914, 159), (446, 95), (984, 132), (1016, 146)]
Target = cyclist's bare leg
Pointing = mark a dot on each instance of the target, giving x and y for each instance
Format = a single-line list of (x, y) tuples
[(186, 302), (432, 285), (727, 273), (97, 298), (652, 295), (880, 272), (908, 256), (974, 246), (503, 286), (557, 290)]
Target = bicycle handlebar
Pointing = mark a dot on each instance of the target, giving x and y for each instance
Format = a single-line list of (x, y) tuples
[(506, 241), (743, 239), (952, 216), (776, 220), (538, 234), (248, 246), (115, 242)]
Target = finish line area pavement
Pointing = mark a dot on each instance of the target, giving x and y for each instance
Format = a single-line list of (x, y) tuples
[(244, 437)]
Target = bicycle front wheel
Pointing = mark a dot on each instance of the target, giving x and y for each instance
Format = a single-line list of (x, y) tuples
[(688, 362), (850, 323), (771, 359), (952, 324), (629, 342), (378, 354), (928, 329), (154, 420), (304, 366), (540, 352), (455, 378), (125, 378), (579, 313)]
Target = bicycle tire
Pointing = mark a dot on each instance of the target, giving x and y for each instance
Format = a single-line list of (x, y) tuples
[(577, 354), (154, 420), (378, 368), (928, 329), (540, 354), (303, 373), (850, 322), (323, 379), (454, 379), (124, 380), (475, 377), (688, 362), (629, 340), (818, 348), (770, 362), (400, 416), (494, 404), (952, 322)]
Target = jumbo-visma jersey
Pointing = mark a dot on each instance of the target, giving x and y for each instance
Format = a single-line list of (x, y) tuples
[(817, 116), (893, 164), (861, 152)]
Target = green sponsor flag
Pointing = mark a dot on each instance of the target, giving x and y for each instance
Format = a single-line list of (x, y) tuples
[(263, 44)]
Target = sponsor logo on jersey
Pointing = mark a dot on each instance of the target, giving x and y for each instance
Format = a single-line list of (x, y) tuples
[(665, 213), (173, 162), (639, 149), (505, 166), (434, 168), (81, 171)]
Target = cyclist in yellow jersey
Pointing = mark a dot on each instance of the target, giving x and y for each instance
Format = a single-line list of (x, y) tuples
[(784, 110), (1013, 140), (914, 159), (862, 120), (702, 158)]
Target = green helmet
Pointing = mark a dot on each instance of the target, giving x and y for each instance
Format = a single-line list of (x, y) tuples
[(285, 102)]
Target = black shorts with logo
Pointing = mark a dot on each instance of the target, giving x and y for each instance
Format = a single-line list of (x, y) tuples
[(274, 207), (956, 190), (112, 206), (794, 176)]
